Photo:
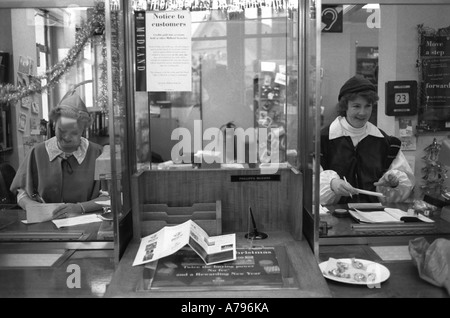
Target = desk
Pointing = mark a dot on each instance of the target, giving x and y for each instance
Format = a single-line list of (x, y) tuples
[(12, 229), (403, 282), (341, 231), (306, 270)]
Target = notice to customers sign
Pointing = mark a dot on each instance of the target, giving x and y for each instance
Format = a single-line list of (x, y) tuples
[(168, 50)]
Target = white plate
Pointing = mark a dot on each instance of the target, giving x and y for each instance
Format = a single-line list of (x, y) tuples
[(382, 273)]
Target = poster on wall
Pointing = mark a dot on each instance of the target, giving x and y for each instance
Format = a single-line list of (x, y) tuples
[(23, 118), (407, 138), (25, 65), (434, 55), (168, 51), (26, 102), (436, 82), (35, 126), (435, 46)]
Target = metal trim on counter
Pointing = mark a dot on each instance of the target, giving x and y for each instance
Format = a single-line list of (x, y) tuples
[(366, 240), (393, 226), (58, 245), (39, 235)]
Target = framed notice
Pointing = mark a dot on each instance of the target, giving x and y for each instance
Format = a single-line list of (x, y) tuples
[(168, 51)]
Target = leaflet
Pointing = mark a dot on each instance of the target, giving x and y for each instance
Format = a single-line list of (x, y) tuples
[(77, 220), (170, 239)]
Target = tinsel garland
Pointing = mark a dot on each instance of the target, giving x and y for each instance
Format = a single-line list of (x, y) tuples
[(198, 5), (12, 93), (434, 172), (116, 67)]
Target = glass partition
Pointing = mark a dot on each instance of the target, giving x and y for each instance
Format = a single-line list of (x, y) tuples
[(401, 48), (50, 50), (242, 78), (227, 86)]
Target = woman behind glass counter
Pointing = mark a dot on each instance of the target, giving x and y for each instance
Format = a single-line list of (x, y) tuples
[(61, 169), (357, 154)]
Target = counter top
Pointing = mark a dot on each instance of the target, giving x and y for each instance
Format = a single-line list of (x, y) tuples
[(404, 280), (13, 230), (306, 271), (340, 230)]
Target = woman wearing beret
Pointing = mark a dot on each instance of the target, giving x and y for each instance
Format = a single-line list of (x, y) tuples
[(357, 154), (61, 169)]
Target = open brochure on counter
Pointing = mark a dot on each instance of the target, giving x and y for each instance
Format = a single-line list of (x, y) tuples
[(170, 239)]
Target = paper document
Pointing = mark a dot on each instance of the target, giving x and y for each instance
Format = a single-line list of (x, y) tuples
[(397, 213), (389, 215), (83, 219), (374, 217), (170, 239), (366, 206), (40, 212)]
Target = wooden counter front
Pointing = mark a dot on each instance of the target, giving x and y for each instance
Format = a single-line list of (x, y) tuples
[(306, 271)]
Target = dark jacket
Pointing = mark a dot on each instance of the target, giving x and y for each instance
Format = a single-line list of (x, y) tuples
[(361, 165)]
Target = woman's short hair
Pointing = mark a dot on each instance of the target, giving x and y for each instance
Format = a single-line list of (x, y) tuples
[(72, 107), (342, 106)]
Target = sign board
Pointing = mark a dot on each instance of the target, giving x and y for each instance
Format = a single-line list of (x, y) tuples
[(401, 98)]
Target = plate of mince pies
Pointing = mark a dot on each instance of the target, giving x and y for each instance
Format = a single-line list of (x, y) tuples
[(354, 271)]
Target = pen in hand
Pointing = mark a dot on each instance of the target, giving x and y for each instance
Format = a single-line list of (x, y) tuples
[(38, 198), (351, 196)]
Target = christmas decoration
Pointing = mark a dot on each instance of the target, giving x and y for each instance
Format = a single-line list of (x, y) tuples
[(434, 172), (199, 5), (94, 26)]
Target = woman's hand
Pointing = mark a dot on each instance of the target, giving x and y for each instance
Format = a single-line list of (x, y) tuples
[(395, 185), (342, 188), (388, 180), (67, 210)]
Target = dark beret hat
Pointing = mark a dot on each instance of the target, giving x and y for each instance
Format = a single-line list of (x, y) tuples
[(355, 85)]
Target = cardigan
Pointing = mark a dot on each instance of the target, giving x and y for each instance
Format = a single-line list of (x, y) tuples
[(58, 180)]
